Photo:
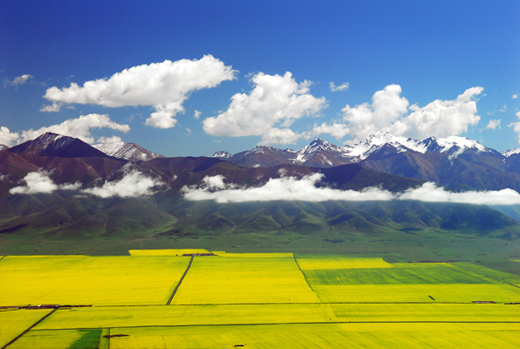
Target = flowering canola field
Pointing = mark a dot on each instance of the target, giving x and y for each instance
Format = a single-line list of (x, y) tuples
[(162, 299)]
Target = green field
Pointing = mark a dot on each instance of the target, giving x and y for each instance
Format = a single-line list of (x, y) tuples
[(159, 299)]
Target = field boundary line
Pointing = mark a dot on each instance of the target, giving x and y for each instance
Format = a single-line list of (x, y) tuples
[(2, 257), (305, 276), (30, 328), (180, 281), (476, 272)]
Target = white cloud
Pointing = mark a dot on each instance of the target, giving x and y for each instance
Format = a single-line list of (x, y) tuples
[(52, 108), (429, 192), (503, 109), (112, 139), (197, 114), (343, 87), (336, 130), (77, 128), (515, 96), (133, 184), (7, 137), (268, 110), (164, 86), (516, 126), (366, 119), (493, 124), (18, 81), (287, 189), (440, 118), (40, 183), (292, 189)]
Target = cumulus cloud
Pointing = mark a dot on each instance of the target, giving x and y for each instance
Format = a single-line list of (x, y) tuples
[(197, 114), (440, 118), (366, 119), (268, 110), (163, 86), (18, 81), (292, 189), (112, 139), (515, 96), (7, 137), (516, 126), (133, 184), (343, 87), (336, 130), (493, 124), (40, 183), (77, 128)]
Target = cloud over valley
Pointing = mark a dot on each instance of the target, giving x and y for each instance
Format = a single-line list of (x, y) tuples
[(306, 189)]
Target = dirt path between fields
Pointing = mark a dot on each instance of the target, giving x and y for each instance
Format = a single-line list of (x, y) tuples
[(30, 328), (180, 281)]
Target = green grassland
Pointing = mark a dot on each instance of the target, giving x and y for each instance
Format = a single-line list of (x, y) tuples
[(227, 300)]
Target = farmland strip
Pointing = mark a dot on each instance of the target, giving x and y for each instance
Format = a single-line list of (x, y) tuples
[(294, 323), (476, 272), (180, 281), (31, 327)]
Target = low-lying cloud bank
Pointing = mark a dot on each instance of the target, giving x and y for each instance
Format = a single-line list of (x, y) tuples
[(133, 184), (292, 189), (40, 183)]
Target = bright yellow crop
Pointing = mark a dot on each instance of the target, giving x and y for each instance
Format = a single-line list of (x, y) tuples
[(167, 252), (218, 280), (14, 322), (89, 280), (309, 262)]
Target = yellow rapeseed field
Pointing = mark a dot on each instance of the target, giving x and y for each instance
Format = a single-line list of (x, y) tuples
[(322, 336), (313, 262), (89, 280), (167, 252), (14, 322), (63, 339), (255, 301), (220, 280)]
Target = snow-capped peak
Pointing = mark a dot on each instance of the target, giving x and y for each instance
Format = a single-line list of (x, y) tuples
[(315, 146), (452, 145), (509, 152), (127, 151), (50, 138)]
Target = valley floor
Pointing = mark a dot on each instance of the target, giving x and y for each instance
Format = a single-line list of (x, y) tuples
[(198, 298)]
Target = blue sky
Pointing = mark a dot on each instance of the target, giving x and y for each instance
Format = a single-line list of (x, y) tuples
[(413, 68)]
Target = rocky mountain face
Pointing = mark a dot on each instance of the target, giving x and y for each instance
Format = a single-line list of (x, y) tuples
[(127, 151)]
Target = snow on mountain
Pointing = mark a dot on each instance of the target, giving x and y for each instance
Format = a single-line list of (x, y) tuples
[(509, 152), (321, 153), (452, 145), (127, 151), (221, 154), (315, 147), (3, 147)]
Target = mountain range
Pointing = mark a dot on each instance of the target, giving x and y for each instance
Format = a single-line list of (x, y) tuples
[(457, 163), (87, 198)]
